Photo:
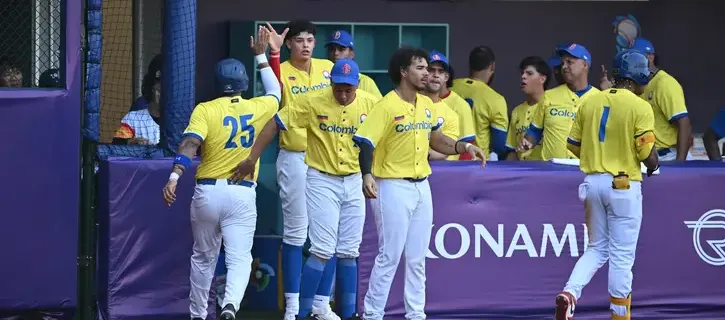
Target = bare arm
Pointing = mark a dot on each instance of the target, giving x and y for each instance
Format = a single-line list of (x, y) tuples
[(268, 132), (710, 140), (436, 156), (684, 132), (188, 147), (512, 156), (443, 144), (652, 161)]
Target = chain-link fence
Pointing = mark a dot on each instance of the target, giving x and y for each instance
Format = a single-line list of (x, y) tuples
[(31, 36)]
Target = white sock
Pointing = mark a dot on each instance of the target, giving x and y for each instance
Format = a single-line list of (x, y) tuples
[(321, 303), (618, 310), (292, 303)]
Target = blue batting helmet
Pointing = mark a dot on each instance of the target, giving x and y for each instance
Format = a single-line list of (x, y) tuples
[(633, 65), (231, 76)]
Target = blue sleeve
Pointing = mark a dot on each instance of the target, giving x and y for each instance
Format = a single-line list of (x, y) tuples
[(718, 124), (535, 133), (498, 141)]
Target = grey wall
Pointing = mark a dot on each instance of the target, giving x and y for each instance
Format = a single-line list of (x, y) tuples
[(687, 34)]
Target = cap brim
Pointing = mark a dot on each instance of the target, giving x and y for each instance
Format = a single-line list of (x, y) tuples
[(561, 52), (445, 64), (337, 42), (345, 80)]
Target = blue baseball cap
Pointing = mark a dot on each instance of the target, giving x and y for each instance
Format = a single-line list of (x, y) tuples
[(436, 56), (577, 51), (554, 61), (345, 71), (341, 38), (643, 45)]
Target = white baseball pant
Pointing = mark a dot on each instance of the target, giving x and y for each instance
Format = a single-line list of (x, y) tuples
[(670, 154), (613, 219), (336, 206), (221, 211), (292, 181), (404, 218)]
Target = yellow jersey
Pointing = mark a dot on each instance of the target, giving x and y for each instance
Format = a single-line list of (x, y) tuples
[(447, 120), (465, 116), (613, 132), (490, 113), (400, 134), (520, 121), (368, 85), (553, 117), (227, 127), (329, 129), (665, 95), (297, 83)]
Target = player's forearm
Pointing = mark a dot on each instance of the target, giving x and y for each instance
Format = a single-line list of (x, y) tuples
[(263, 139), (186, 151), (436, 156), (366, 158), (512, 156), (710, 140), (441, 143), (652, 161), (684, 132), (269, 80)]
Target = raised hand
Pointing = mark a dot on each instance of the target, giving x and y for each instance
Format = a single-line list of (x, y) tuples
[(259, 46), (276, 40), (604, 82)]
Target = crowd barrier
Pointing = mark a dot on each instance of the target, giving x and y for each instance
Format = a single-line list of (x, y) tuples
[(504, 241)]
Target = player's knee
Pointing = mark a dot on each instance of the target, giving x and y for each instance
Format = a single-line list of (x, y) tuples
[(203, 257)]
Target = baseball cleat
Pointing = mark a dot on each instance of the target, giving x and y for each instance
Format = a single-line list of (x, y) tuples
[(228, 313), (324, 314), (565, 305), (355, 317), (311, 316), (290, 316)]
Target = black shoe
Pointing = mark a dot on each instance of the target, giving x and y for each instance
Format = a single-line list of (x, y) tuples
[(197, 319), (228, 313), (355, 317)]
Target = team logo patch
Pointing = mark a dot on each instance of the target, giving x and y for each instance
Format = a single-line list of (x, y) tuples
[(428, 113), (321, 117), (326, 74), (436, 57), (441, 121), (399, 118), (572, 46), (362, 117), (337, 35), (291, 78), (346, 68)]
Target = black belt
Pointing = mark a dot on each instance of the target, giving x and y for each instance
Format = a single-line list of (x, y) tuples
[(337, 175), (415, 179), (211, 182), (664, 151)]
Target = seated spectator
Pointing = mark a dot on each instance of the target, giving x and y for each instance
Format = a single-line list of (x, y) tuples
[(10, 74), (141, 125)]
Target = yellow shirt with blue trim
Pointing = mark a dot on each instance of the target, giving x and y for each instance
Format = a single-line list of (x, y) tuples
[(368, 85), (227, 128), (400, 133), (298, 83), (613, 132), (465, 116), (490, 113), (553, 118), (520, 121), (330, 128), (447, 120), (665, 95)]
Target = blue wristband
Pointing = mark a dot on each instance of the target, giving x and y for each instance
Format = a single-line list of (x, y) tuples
[(182, 160)]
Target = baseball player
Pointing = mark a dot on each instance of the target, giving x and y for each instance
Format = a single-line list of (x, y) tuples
[(535, 75), (335, 201), (340, 45), (447, 118), (712, 136), (399, 130), (490, 113), (221, 207), (554, 115), (440, 66), (672, 123), (612, 133), (300, 75)]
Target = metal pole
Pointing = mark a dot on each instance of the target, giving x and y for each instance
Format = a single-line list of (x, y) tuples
[(138, 44)]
